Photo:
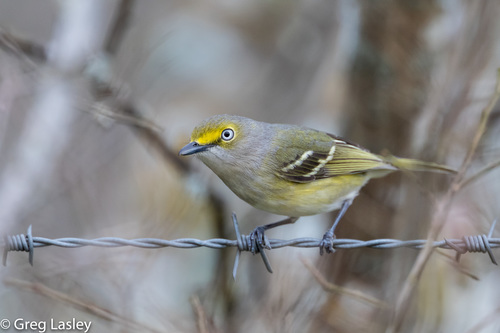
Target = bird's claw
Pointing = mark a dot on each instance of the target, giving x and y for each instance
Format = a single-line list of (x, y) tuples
[(326, 243), (259, 240)]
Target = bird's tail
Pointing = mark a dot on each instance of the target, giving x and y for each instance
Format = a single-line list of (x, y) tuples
[(409, 164)]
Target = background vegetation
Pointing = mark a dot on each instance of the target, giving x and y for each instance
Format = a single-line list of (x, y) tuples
[(97, 97)]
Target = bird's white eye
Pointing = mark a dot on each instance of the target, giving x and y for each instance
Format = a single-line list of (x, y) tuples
[(227, 134)]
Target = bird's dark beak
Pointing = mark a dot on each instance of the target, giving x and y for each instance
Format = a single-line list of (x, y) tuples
[(193, 148)]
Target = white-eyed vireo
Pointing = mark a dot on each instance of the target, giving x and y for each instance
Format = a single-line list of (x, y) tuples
[(290, 170)]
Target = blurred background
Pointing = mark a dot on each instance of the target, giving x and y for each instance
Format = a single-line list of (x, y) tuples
[(97, 98)]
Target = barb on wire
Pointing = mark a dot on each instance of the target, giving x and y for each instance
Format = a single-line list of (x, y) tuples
[(478, 243), (27, 243), (19, 243)]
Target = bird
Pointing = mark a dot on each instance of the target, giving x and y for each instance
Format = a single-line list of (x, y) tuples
[(290, 170)]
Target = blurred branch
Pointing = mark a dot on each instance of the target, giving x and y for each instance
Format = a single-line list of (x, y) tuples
[(441, 215), (479, 174), (332, 288), (92, 309), (485, 322), (154, 139), (203, 322), (114, 105), (106, 112), (481, 129), (117, 31), (22, 48), (452, 260)]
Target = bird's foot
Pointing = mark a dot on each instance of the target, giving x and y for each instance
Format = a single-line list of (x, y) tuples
[(326, 243), (259, 240)]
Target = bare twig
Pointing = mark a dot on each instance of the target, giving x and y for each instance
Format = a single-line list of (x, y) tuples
[(203, 322), (22, 48), (332, 288), (456, 265), (119, 26), (487, 320), (129, 120), (490, 167), (92, 309), (481, 129)]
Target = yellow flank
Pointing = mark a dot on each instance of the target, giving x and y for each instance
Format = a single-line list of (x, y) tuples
[(211, 132), (294, 199)]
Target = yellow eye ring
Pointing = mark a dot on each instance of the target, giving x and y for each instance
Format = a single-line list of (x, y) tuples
[(227, 134)]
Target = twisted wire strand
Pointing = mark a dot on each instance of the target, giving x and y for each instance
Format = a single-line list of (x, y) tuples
[(27, 243), (470, 244)]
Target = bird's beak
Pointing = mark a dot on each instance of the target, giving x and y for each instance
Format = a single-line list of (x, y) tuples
[(193, 148)]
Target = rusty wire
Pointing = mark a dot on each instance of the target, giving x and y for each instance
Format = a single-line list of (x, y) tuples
[(27, 243)]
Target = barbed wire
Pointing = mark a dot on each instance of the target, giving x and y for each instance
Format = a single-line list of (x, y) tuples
[(27, 243)]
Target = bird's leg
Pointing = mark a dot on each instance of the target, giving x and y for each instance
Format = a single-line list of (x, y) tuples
[(327, 242), (259, 239)]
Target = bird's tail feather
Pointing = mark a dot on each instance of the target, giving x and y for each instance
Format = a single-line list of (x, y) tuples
[(410, 164)]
